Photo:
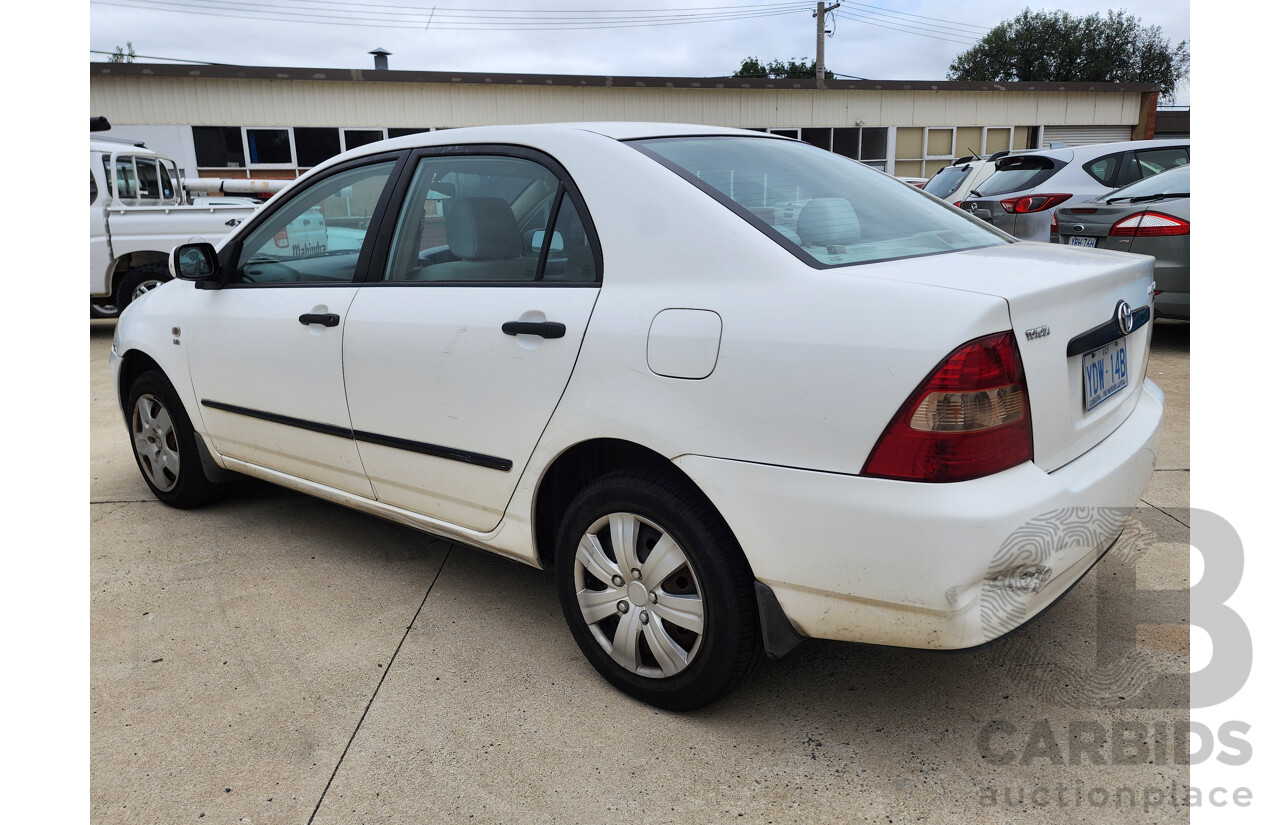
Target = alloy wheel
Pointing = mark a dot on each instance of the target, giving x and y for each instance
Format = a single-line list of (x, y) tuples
[(156, 442)]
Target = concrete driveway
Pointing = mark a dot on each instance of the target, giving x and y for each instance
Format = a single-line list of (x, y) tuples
[(273, 658)]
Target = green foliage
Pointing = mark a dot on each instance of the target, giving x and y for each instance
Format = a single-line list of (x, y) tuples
[(1058, 46), (791, 70), (121, 56)]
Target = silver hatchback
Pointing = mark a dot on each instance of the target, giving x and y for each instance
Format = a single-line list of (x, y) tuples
[(1026, 188)]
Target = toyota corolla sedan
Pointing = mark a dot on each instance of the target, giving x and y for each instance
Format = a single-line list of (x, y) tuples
[(737, 391)]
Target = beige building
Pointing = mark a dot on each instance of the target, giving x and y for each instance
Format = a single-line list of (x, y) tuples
[(262, 122)]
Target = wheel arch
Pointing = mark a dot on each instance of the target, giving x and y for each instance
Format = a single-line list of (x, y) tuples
[(134, 363), (578, 466)]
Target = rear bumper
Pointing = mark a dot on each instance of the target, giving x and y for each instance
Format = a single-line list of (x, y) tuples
[(1173, 305), (941, 566)]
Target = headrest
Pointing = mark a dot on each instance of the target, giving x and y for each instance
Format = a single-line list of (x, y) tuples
[(481, 229), (827, 221)]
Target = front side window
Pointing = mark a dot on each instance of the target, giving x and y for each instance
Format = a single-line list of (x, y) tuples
[(316, 237), (826, 209), (478, 218)]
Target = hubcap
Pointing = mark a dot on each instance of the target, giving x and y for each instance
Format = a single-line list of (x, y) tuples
[(638, 595), (155, 442)]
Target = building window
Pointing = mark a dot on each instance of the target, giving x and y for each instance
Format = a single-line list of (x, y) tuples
[(269, 147), (817, 137), (869, 144), (997, 139), (353, 138), (395, 133), (940, 143), (218, 146), (315, 146)]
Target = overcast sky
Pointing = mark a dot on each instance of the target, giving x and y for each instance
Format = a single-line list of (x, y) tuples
[(878, 39)]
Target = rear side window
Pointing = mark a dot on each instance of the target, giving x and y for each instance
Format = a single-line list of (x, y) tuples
[(825, 209), (1103, 170), (1017, 174)]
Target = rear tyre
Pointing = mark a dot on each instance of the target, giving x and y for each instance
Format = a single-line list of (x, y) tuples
[(139, 281), (656, 590), (164, 444)]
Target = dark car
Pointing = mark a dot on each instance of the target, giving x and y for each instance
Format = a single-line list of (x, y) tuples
[(1150, 217)]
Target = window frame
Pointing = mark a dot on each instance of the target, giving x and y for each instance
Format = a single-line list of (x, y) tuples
[(249, 163), (373, 276), (950, 154), (986, 130)]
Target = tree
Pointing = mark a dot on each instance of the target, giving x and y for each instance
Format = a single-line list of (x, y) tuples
[(791, 70), (121, 56), (1058, 46)]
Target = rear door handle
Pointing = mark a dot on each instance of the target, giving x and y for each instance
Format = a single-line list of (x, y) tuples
[(545, 329), (327, 319)]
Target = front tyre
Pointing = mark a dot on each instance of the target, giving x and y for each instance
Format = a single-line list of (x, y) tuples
[(164, 444), (139, 281), (656, 590)]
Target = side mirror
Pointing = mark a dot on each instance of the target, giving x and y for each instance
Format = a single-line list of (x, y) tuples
[(194, 262), (538, 238)]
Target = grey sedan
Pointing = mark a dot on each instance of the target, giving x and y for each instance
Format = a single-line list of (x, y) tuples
[(1150, 217)]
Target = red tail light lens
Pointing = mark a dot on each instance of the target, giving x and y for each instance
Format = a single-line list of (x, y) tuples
[(969, 419), (1033, 203), (1053, 224), (1150, 225), (282, 239)]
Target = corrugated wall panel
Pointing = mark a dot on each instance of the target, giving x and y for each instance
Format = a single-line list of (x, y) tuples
[(211, 101)]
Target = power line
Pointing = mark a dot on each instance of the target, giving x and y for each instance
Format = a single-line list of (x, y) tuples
[(170, 59), (883, 11), (918, 33), (456, 20)]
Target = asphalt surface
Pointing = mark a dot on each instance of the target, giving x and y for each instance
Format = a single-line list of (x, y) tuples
[(274, 658)]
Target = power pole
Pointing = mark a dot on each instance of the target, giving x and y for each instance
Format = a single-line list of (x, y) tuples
[(819, 63)]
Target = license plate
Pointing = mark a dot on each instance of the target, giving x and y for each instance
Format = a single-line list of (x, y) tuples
[(1106, 372), (1080, 240)]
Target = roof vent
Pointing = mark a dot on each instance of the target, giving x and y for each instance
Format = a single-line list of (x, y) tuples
[(380, 58)]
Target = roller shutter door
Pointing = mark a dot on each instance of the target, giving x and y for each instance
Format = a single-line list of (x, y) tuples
[(1084, 135)]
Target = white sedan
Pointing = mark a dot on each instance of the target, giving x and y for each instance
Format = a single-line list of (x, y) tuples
[(738, 391)]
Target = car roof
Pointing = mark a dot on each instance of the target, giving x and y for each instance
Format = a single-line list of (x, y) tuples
[(1093, 150)]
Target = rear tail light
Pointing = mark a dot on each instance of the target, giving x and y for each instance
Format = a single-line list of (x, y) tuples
[(1150, 225), (1033, 203), (970, 418), (1053, 224), (282, 239)]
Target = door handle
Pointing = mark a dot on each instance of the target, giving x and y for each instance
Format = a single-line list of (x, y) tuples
[(327, 319), (545, 329)]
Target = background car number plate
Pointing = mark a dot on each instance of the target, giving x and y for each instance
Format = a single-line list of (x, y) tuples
[(1080, 240), (1106, 372)]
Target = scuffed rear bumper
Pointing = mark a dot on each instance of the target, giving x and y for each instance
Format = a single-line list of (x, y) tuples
[(942, 566)]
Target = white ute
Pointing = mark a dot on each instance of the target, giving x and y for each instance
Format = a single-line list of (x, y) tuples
[(139, 210)]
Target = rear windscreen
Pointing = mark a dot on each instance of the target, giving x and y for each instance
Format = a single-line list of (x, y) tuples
[(1017, 174), (947, 181), (825, 209)]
